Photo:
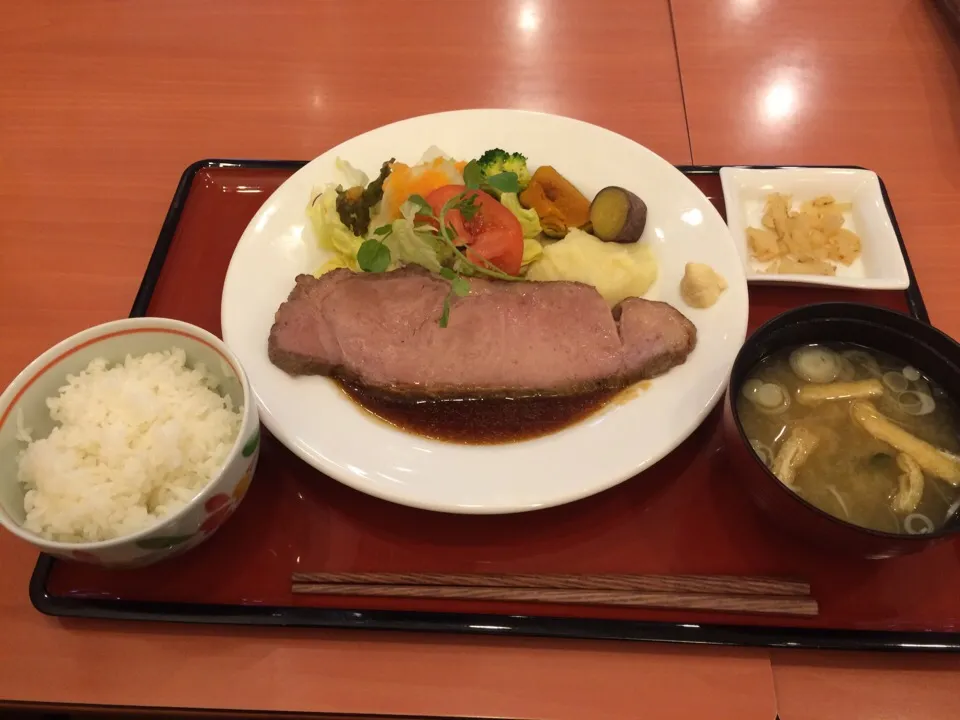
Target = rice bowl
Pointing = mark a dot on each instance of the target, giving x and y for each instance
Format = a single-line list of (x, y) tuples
[(126, 443), (134, 443)]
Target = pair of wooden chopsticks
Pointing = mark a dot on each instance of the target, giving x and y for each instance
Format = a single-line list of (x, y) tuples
[(724, 593)]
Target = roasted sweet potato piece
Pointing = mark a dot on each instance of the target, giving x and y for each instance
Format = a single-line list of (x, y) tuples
[(617, 215)]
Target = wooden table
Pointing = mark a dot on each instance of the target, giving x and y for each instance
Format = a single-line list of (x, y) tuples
[(102, 104)]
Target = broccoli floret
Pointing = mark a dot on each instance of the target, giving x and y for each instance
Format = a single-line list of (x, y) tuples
[(517, 164), (491, 162), (497, 161)]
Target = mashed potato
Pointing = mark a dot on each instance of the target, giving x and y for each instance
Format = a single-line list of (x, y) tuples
[(617, 270)]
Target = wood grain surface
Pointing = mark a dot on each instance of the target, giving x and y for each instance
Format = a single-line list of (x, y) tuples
[(872, 83), (102, 105), (719, 584), (754, 604), (855, 83), (148, 664)]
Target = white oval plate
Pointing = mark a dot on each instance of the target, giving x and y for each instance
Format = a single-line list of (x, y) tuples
[(313, 418)]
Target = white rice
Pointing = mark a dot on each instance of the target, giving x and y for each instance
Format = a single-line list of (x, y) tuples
[(133, 443)]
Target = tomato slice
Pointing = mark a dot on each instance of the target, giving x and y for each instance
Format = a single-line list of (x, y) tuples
[(493, 233)]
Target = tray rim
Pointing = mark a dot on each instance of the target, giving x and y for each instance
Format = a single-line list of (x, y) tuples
[(473, 623)]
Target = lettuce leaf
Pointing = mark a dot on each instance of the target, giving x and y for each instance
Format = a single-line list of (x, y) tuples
[(532, 251), (332, 235), (410, 245), (351, 176), (529, 220)]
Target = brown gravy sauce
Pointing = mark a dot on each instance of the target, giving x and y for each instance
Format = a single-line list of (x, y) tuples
[(486, 421)]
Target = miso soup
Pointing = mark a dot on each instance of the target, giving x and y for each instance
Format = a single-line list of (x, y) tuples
[(858, 433)]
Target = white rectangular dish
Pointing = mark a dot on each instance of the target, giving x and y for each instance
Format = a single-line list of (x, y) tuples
[(881, 265)]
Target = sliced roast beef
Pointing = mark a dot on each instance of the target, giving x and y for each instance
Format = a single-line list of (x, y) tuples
[(381, 330)]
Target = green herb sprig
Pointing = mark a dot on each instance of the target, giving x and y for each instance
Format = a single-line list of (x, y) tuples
[(374, 256), (459, 287), (503, 182)]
